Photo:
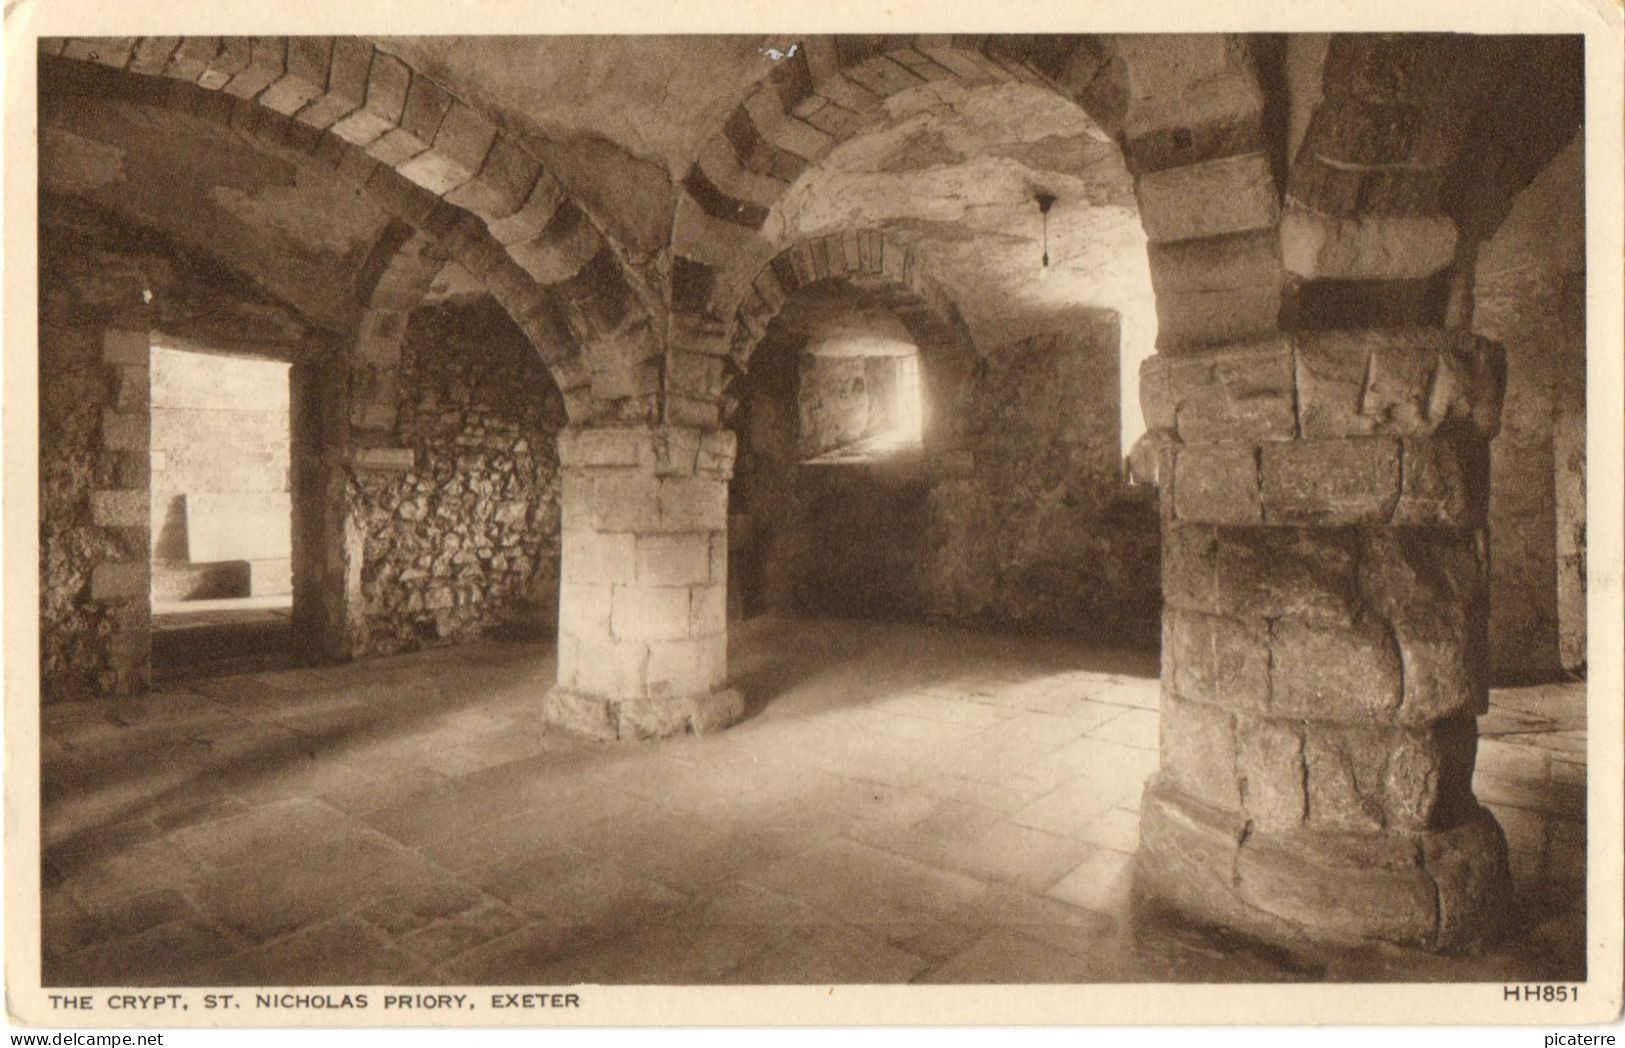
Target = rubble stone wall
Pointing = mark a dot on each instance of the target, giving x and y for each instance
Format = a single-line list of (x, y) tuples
[(468, 537), (464, 538)]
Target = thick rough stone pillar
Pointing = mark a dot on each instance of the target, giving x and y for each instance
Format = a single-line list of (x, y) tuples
[(1324, 638), (643, 632)]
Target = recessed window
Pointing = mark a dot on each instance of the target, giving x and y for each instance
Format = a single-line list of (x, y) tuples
[(859, 408)]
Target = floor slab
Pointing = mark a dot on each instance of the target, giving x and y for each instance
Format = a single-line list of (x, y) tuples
[(903, 803)]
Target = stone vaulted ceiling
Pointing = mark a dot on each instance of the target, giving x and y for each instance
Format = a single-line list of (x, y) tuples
[(299, 235), (619, 196), (952, 174), (618, 118), (946, 170)]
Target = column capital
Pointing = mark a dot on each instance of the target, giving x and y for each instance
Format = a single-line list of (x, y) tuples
[(1366, 427), (1328, 385)]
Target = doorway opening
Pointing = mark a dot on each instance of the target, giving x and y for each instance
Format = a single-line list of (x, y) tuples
[(222, 593)]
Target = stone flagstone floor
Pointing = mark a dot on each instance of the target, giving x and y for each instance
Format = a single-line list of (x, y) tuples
[(905, 804)]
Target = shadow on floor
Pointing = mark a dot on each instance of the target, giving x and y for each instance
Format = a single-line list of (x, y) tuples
[(908, 804)]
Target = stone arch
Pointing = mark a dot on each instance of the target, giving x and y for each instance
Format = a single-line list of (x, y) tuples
[(869, 260), (357, 399), (1188, 112), (1346, 462), (1242, 244), (820, 94), (433, 160)]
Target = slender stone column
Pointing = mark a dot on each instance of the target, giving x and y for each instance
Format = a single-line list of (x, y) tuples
[(643, 632), (1324, 647)]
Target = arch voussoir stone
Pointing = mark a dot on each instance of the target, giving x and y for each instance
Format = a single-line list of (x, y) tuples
[(436, 161), (1193, 134), (825, 90), (1365, 215), (864, 256)]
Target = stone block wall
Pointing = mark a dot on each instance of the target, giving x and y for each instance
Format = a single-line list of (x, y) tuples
[(95, 617), (104, 289), (220, 450), (455, 528)]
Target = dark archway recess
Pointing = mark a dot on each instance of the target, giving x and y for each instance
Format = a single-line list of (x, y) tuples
[(840, 537)]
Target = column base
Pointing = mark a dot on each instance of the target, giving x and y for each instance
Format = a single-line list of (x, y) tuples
[(1444, 890), (609, 720)]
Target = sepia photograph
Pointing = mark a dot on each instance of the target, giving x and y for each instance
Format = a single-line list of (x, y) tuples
[(521, 517)]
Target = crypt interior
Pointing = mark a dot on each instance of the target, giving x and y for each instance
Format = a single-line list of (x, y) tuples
[(850, 509)]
